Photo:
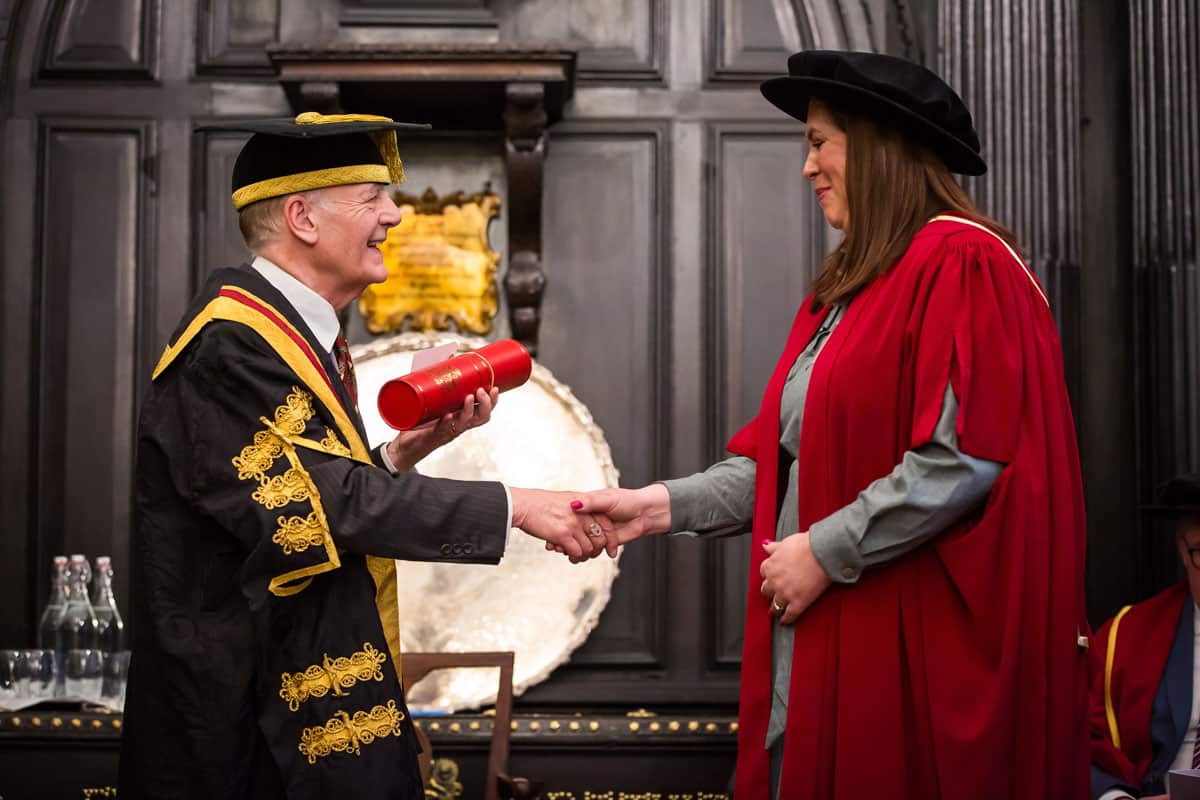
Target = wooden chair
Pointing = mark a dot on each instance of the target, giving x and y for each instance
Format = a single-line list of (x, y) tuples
[(418, 665)]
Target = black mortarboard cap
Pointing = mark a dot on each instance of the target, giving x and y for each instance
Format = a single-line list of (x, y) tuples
[(887, 88), (313, 151)]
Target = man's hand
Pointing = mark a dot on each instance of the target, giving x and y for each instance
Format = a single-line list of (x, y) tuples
[(409, 447), (549, 516), (792, 577)]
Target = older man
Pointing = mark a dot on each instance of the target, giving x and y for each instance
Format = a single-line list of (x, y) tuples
[(266, 659), (1146, 680)]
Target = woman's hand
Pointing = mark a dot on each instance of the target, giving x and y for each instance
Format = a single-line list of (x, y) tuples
[(550, 516), (792, 577), (634, 512), (409, 447)]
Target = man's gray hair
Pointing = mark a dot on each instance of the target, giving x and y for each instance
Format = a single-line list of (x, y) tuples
[(262, 221)]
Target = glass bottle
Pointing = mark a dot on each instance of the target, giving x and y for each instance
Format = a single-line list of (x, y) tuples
[(78, 626), (110, 629), (47, 635)]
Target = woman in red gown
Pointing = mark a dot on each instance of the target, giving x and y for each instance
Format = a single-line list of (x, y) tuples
[(915, 626)]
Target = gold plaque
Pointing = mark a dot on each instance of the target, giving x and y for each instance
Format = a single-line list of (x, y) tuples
[(441, 269)]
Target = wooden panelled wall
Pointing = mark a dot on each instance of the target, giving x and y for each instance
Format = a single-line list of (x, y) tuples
[(679, 237)]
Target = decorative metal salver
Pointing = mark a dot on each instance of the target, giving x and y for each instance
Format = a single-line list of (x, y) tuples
[(535, 603)]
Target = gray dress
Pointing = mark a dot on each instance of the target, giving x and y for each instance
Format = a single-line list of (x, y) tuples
[(931, 488)]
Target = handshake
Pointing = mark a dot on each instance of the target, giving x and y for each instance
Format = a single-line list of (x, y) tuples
[(582, 525)]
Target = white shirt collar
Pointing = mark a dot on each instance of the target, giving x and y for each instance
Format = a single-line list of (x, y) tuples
[(315, 310)]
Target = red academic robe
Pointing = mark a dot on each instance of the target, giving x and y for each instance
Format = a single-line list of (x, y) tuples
[(954, 671), (1129, 654)]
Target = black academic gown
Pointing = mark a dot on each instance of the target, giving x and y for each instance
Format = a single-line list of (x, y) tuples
[(266, 642)]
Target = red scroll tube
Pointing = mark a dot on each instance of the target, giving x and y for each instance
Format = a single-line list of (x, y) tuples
[(422, 396)]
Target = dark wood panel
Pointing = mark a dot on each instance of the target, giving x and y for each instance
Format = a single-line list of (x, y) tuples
[(728, 563), (745, 43), (115, 39), (231, 36), (433, 13), (92, 284), (636, 54), (218, 240), (18, 568), (606, 233), (767, 240), (5, 18), (1105, 406), (619, 41)]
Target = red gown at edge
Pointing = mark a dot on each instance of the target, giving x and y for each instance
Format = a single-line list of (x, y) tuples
[(1127, 668), (955, 671)]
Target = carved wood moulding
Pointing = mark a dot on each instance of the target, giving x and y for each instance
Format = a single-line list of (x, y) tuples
[(461, 86), (437, 13)]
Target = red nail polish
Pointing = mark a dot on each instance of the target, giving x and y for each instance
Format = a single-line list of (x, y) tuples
[(576, 504)]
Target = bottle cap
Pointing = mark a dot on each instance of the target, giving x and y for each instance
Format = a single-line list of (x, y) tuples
[(60, 561), (77, 557), (103, 562)]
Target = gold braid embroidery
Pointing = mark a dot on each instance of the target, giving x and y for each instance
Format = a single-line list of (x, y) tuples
[(334, 675), (292, 417), (297, 534), (255, 459), (333, 445), (277, 492), (345, 733)]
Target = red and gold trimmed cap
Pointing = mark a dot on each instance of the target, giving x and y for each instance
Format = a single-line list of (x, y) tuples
[(312, 151)]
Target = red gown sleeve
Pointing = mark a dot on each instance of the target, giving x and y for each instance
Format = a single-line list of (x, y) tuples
[(983, 315)]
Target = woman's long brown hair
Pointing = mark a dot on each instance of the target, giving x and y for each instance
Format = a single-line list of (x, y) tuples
[(894, 186)]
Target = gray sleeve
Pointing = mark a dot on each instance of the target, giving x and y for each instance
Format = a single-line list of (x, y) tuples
[(931, 488), (716, 502)]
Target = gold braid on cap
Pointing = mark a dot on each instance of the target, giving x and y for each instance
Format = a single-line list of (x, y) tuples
[(384, 140)]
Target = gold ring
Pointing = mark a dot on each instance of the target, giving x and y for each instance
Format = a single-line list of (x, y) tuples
[(595, 531), (775, 607)]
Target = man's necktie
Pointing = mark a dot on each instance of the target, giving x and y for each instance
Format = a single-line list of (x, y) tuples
[(341, 354)]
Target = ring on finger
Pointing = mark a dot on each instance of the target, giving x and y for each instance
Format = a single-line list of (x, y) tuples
[(776, 608), (595, 531)]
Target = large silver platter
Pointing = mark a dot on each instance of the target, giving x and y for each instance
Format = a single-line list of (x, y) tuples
[(535, 603)]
